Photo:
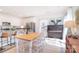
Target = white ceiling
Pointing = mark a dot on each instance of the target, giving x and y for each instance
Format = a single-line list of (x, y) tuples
[(27, 11)]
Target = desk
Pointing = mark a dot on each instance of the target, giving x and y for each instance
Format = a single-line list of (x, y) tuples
[(74, 44), (27, 37)]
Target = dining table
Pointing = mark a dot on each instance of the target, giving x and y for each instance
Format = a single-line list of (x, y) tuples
[(27, 37)]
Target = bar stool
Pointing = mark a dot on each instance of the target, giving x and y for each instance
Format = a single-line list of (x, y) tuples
[(38, 45), (13, 34), (4, 35)]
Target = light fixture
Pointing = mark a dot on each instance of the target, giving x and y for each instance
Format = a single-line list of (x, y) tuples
[(22, 26)]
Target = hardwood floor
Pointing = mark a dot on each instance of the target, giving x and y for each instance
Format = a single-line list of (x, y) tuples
[(47, 49)]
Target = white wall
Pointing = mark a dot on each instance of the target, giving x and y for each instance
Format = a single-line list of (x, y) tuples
[(37, 21), (8, 18), (31, 19), (26, 20)]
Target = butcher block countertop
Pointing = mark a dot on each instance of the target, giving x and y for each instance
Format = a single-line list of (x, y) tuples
[(29, 37)]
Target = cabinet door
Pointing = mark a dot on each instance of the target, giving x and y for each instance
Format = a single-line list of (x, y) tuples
[(55, 35)]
